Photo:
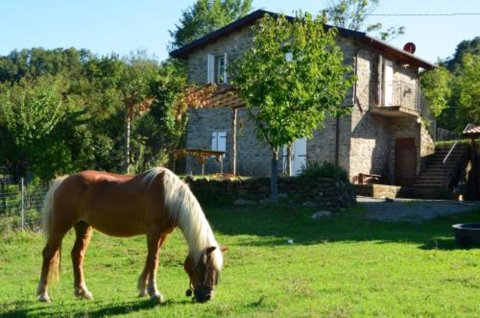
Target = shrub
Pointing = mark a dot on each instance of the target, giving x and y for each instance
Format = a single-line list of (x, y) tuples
[(316, 170)]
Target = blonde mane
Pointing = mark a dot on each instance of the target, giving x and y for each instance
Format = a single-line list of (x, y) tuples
[(184, 209)]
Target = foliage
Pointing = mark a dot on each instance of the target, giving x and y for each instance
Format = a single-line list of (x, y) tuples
[(31, 115), (326, 170), (456, 115), (467, 46), (287, 98), (162, 129), (75, 111), (437, 89), (352, 14), (205, 16), (35, 62), (331, 269), (467, 89)]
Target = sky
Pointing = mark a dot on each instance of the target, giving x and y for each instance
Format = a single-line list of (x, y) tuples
[(126, 26)]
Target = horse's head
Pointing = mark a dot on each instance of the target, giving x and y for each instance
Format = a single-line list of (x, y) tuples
[(204, 274)]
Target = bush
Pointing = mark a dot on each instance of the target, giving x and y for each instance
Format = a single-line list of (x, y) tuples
[(326, 170)]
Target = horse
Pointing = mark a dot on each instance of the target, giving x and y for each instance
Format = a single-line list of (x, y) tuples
[(152, 203)]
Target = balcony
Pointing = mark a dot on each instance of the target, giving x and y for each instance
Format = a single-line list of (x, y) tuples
[(401, 99), (397, 99)]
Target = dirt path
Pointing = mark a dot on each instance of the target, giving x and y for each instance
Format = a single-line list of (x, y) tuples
[(410, 210)]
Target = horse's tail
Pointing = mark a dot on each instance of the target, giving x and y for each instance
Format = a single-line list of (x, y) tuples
[(48, 204)]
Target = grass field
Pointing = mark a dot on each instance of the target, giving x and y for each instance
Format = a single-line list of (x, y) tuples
[(345, 266)]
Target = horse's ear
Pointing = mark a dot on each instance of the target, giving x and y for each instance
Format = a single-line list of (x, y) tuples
[(223, 248), (211, 249)]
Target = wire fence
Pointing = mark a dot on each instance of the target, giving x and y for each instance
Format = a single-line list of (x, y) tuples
[(21, 205)]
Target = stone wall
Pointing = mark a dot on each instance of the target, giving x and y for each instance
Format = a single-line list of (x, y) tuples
[(201, 124), (253, 157), (427, 145), (369, 151), (322, 193), (234, 45), (378, 190)]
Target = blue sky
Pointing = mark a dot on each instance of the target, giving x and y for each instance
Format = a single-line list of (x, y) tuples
[(124, 26)]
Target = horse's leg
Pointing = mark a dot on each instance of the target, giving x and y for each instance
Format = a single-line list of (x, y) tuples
[(142, 282), (154, 241), (51, 258), (83, 234)]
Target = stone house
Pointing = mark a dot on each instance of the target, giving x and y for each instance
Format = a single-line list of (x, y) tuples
[(388, 134)]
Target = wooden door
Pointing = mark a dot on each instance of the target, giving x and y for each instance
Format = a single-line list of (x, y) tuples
[(405, 161)]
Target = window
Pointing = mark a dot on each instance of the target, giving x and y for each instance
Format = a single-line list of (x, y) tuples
[(217, 68)]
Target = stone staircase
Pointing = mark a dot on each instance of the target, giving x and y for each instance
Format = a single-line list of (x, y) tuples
[(434, 181)]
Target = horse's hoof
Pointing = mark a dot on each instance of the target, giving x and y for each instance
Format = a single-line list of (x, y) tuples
[(158, 298), (44, 298), (83, 294), (142, 293)]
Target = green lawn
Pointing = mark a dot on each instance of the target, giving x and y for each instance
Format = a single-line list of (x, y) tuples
[(345, 266)]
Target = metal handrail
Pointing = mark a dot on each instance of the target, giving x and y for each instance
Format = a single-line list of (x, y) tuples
[(449, 153)]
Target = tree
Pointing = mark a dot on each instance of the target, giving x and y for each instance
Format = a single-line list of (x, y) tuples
[(206, 16), (162, 129), (464, 47), (467, 88), (352, 14), (291, 79), (457, 114), (436, 88), (30, 112), (140, 72)]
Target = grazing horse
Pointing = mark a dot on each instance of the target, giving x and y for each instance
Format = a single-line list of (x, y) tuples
[(151, 203)]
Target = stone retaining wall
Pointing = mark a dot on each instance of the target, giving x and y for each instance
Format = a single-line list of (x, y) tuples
[(378, 190), (323, 192)]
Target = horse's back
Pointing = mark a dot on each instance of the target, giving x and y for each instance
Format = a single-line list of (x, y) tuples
[(112, 203)]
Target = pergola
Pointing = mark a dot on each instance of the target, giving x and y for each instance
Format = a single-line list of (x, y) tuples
[(213, 96)]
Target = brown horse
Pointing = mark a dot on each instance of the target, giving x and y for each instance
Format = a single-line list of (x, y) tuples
[(152, 203)]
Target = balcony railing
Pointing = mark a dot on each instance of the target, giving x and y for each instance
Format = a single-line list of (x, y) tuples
[(400, 99)]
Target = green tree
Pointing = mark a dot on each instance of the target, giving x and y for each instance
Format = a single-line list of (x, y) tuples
[(436, 86), (467, 89), (140, 72), (456, 115), (205, 16), (464, 47), (30, 112), (352, 14), (162, 129), (291, 79)]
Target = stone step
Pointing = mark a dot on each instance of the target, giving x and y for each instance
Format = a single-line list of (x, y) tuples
[(427, 178)]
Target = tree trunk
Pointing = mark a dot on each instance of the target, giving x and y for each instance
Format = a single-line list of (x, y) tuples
[(289, 160), (127, 142), (234, 141), (274, 177)]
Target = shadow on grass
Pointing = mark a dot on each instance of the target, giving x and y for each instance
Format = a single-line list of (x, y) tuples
[(283, 223), (29, 309)]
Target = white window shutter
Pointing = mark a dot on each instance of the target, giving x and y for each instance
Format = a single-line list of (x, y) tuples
[(214, 141), (210, 68), (225, 78), (222, 141)]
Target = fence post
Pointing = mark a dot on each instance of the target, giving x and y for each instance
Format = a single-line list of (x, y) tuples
[(3, 194), (22, 187)]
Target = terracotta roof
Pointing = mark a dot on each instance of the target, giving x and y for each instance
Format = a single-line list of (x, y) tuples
[(471, 130), (251, 18)]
